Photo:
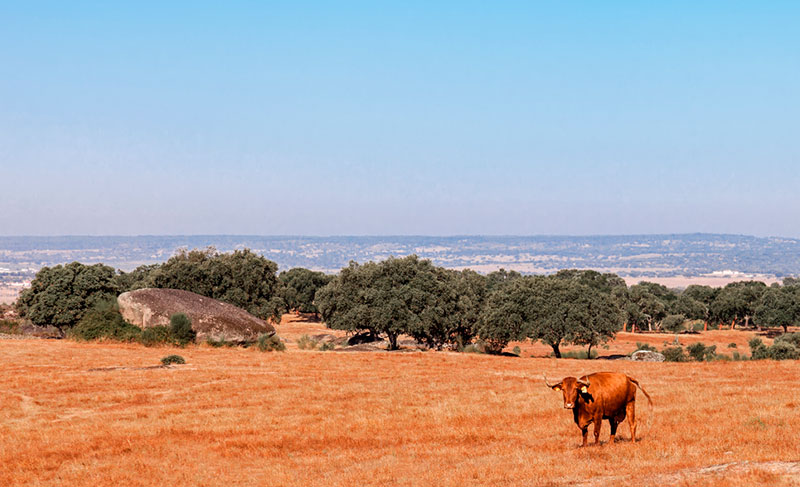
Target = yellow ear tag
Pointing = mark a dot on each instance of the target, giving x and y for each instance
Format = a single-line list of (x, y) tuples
[(584, 389), (556, 388)]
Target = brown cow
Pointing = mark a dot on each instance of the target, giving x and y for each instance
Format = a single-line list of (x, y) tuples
[(599, 396)]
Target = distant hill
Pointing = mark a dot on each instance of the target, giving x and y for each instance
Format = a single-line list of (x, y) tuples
[(630, 256)]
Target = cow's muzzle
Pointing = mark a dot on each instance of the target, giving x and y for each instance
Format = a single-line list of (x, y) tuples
[(569, 405)]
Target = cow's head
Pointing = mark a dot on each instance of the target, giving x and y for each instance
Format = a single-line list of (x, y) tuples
[(570, 388)]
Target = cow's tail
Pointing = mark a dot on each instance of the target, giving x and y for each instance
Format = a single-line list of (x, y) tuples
[(649, 401)]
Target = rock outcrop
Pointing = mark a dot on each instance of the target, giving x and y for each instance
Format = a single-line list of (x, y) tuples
[(647, 356), (211, 319)]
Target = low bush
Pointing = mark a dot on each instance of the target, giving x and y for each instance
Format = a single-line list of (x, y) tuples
[(475, 348), (674, 354), (645, 346), (220, 343), (180, 328), (172, 359), (578, 354), (305, 342), (104, 322), (792, 338), (731, 345), (326, 346), (8, 326), (155, 335), (781, 349), (270, 343), (516, 351), (701, 353)]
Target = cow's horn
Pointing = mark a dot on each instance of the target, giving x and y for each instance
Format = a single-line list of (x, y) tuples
[(585, 381), (545, 381)]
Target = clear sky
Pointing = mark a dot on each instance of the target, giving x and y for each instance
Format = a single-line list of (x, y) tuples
[(375, 118)]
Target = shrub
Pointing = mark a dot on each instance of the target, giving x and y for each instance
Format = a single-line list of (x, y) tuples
[(578, 354), (8, 326), (731, 345), (220, 343), (673, 354), (305, 342), (792, 338), (155, 335), (516, 350), (700, 352), (477, 347), (327, 346), (104, 321), (172, 359), (758, 351), (270, 343), (673, 323), (180, 327), (645, 346), (783, 351)]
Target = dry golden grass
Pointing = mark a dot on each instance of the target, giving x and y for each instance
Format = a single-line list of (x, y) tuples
[(236, 417)]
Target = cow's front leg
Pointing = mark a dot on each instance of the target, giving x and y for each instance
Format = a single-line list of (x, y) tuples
[(598, 423), (584, 433)]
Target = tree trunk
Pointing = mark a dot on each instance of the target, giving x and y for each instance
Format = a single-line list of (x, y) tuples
[(556, 350), (733, 323), (650, 324), (589, 352), (705, 325), (392, 341)]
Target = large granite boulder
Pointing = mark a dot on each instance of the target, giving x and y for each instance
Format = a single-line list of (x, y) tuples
[(211, 319), (647, 356)]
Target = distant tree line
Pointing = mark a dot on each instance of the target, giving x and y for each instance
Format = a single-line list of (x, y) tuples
[(438, 307)]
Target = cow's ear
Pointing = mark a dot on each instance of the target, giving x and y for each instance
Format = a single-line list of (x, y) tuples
[(556, 387), (584, 389)]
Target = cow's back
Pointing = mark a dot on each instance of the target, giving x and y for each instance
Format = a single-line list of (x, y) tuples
[(611, 391)]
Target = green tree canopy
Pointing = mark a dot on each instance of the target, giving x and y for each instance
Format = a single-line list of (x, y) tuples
[(61, 295), (778, 306), (241, 278), (737, 301), (553, 309), (392, 297), (299, 286)]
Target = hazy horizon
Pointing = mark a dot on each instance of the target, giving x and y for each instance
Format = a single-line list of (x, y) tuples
[(354, 118)]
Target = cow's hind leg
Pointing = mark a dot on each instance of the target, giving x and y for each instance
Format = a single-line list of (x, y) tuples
[(613, 423), (630, 409)]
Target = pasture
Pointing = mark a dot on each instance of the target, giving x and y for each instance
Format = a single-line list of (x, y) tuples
[(74, 414)]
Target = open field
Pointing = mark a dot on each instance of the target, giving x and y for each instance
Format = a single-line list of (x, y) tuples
[(94, 414)]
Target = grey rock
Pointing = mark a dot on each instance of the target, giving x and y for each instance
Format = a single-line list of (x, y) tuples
[(211, 319), (647, 356)]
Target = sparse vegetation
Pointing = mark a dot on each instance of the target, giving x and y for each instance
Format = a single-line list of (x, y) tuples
[(172, 359), (645, 346), (104, 322), (305, 342), (270, 343), (674, 354), (156, 335), (180, 329), (702, 353)]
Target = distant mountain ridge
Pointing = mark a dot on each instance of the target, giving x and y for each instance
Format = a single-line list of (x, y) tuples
[(628, 255)]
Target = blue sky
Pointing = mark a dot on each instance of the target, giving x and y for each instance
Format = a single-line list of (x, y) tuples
[(370, 118)]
